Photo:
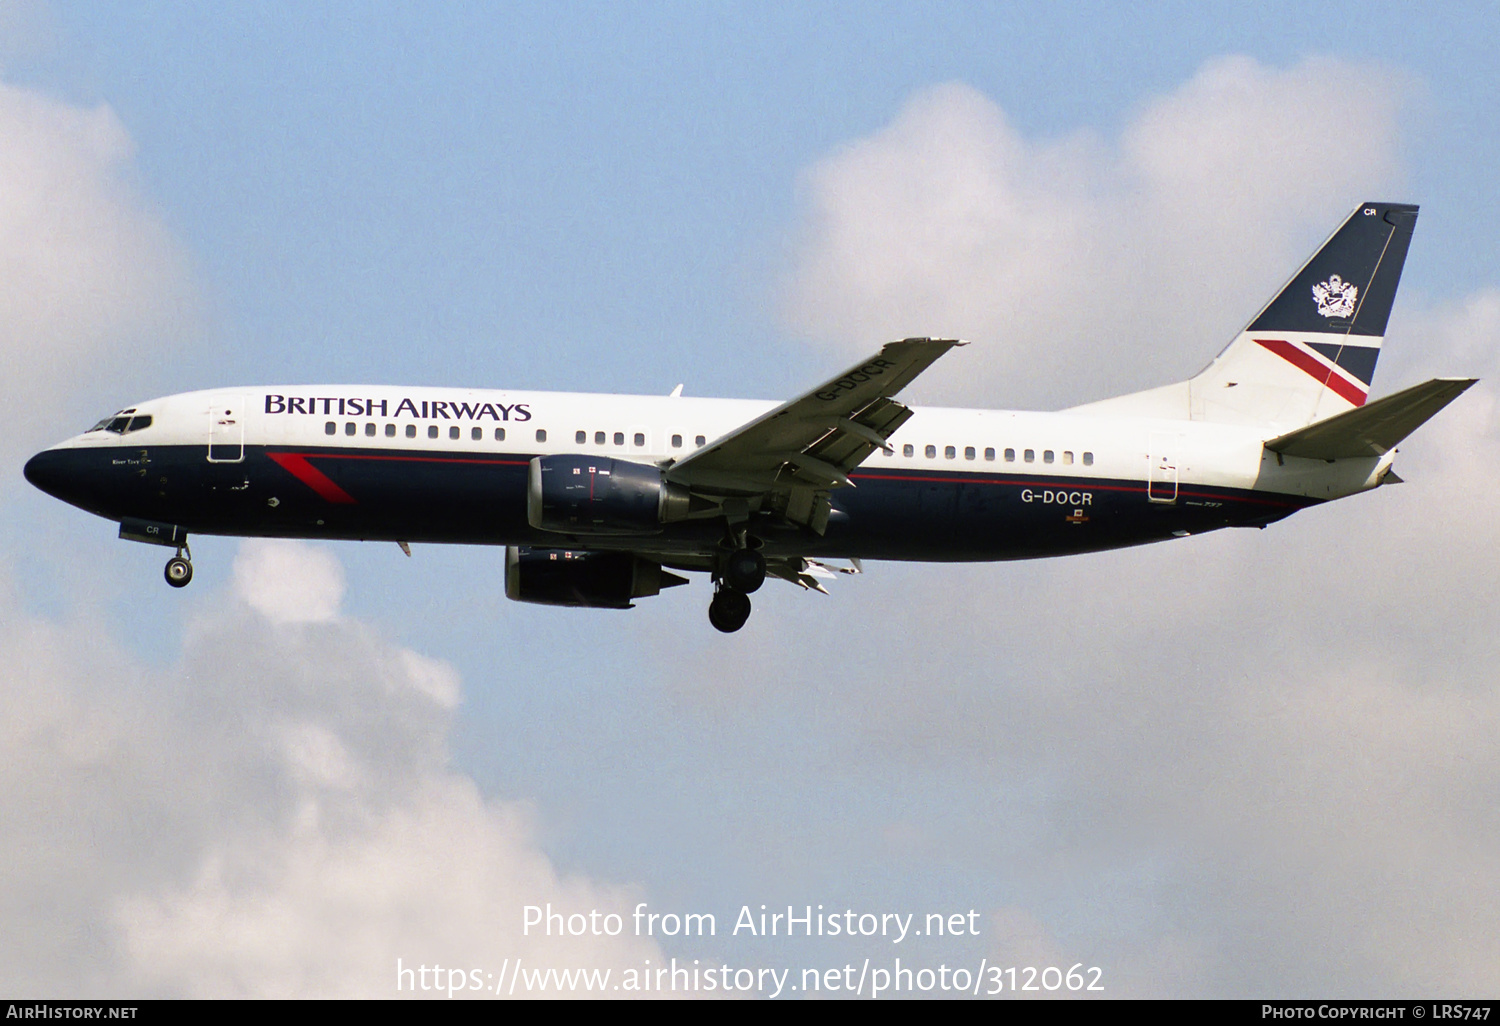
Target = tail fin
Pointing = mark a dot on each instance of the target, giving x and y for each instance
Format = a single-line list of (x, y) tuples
[(1311, 352)]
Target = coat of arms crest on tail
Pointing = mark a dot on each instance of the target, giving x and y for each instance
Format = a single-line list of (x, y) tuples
[(1335, 296)]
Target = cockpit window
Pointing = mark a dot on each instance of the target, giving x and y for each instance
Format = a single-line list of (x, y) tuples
[(120, 424)]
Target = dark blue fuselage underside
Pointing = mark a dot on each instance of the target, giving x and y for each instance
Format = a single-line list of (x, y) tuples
[(480, 499)]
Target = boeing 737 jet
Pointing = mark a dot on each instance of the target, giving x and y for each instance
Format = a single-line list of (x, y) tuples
[(599, 498)]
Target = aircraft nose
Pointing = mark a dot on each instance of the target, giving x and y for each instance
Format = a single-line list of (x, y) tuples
[(48, 471)]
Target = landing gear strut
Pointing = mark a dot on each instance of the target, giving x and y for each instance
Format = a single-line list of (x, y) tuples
[(729, 609), (179, 569)]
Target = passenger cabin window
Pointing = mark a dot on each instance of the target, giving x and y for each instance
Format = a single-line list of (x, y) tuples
[(989, 454), (411, 431), (330, 428), (476, 433), (949, 452), (700, 441), (369, 430), (580, 437), (431, 430), (677, 441), (931, 451), (599, 437), (640, 439), (350, 428), (1067, 456), (453, 432), (390, 431), (1047, 456), (499, 434), (968, 452), (1010, 455), (908, 450), (1088, 459), (1030, 455), (541, 434), (619, 438)]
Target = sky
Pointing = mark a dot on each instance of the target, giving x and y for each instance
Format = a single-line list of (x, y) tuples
[(1246, 764)]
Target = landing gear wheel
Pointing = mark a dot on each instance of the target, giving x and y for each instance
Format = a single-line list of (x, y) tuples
[(729, 610), (745, 570), (179, 571)]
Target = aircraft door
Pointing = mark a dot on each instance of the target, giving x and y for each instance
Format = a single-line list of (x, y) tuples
[(1161, 474), (226, 429)]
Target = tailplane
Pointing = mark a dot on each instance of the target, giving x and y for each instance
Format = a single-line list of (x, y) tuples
[(1311, 352), (1372, 430)]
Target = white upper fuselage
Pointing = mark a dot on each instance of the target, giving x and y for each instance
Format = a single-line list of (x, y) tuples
[(656, 429)]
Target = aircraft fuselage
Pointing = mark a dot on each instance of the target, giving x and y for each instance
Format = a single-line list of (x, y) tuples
[(450, 466)]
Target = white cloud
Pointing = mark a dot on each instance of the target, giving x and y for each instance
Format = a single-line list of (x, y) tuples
[(272, 815), (1083, 266), (92, 285), (289, 582), (1259, 757), (274, 812), (439, 880)]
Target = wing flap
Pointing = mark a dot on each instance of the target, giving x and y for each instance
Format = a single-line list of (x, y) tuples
[(813, 441), (854, 438), (1373, 429)]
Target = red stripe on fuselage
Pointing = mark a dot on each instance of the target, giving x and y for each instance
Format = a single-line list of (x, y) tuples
[(296, 463), (1325, 375), (969, 476)]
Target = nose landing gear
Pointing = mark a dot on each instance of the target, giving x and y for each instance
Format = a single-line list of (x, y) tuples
[(179, 569)]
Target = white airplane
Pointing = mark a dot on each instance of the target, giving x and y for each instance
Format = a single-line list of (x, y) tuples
[(598, 497)]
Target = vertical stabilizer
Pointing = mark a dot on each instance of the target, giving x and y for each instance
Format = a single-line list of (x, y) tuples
[(1311, 352)]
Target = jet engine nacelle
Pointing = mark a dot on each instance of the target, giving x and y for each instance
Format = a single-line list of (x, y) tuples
[(598, 495), (570, 577)]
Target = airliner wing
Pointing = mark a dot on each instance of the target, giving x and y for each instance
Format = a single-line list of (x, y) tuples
[(795, 453)]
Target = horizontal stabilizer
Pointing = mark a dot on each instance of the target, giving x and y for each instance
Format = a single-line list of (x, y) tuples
[(1373, 429)]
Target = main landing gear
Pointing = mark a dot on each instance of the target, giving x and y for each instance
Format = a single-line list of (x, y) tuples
[(743, 571), (729, 609), (179, 569)]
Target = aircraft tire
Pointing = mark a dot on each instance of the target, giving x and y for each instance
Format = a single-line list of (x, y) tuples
[(729, 610), (178, 572), (745, 570)]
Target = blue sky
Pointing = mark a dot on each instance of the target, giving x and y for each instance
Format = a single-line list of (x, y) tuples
[(618, 183), (621, 198)]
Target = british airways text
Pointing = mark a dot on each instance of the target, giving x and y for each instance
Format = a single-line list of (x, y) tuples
[(437, 409)]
